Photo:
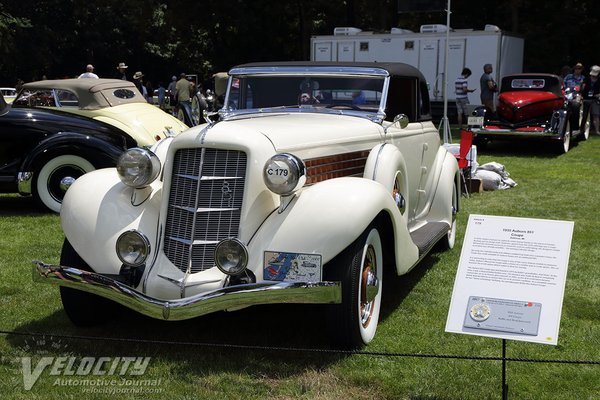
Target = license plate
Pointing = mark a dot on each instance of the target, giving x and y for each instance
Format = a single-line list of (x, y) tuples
[(292, 267), (475, 121)]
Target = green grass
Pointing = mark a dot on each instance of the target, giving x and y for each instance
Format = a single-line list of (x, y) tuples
[(414, 313)]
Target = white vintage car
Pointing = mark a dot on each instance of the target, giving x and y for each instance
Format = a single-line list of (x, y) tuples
[(315, 178)]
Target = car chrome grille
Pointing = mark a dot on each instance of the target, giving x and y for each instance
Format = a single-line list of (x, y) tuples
[(205, 203)]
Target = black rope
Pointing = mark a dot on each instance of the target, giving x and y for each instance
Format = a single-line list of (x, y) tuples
[(301, 350)]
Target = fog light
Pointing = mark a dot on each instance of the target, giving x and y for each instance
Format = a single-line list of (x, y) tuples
[(231, 256), (133, 248)]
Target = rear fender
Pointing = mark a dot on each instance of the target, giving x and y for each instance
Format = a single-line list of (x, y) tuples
[(441, 206), (386, 165)]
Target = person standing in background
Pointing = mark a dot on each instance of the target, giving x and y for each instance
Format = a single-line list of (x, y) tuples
[(89, 72), (182, 94), (590, 90), (171, 89), (575, 78), (488, 88), (121, 71), (461, 91)]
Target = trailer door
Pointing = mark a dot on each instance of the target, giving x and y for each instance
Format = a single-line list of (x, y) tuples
[(428, 65), (322, 51), (345, 51)]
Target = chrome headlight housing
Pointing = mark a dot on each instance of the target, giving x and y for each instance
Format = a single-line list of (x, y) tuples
[(284, 174), (133, 248), (138, 167), (231, 256)]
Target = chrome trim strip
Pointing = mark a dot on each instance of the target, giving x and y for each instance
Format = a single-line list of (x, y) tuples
[(308, 70), (231, 297)]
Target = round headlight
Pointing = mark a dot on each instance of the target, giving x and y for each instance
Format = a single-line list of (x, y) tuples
[(284, 174), (138, 167), (133, 248), (231, 256)]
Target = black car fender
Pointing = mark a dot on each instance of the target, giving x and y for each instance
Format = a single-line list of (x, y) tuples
[(96, 150)]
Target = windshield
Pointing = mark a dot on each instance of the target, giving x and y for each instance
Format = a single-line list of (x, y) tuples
[(363, 93)]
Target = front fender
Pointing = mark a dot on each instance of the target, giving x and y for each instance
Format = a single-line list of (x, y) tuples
[(327, 217), (93, 222)]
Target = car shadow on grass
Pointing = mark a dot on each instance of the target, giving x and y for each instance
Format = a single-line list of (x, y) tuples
[(14, 205), (522, 148), (294, 336)]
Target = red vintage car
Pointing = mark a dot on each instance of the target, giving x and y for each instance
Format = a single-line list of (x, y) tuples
[(532, 106)]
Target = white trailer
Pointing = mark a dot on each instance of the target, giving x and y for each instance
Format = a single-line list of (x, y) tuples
[(426, 51)]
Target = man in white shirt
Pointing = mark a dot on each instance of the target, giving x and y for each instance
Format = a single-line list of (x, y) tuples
[(89, 72), (461, 91)]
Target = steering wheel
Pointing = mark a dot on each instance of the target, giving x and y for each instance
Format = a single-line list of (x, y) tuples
[(350, 106)]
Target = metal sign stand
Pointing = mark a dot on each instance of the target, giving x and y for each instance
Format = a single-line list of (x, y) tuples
[(504, 384)]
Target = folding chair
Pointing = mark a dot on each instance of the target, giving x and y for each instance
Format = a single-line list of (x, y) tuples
[(464, 159)]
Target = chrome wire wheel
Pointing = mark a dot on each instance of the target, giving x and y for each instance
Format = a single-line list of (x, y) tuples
[(369, 274), (368, 283)]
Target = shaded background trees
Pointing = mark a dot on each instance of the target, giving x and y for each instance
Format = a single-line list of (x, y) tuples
[(57, 38)]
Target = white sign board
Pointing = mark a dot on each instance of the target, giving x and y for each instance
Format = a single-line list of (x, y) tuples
[(511, 278)]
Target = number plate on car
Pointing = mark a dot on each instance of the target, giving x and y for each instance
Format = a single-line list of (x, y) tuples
[(292, 267), (475, 121)]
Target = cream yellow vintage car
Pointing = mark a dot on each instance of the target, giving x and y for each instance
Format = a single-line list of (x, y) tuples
[(57, 130), (315, 178)]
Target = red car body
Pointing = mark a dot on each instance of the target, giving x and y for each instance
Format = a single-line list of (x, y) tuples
[(529, 106)]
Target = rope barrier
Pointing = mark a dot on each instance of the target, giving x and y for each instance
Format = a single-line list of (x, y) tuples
[(297, 349)]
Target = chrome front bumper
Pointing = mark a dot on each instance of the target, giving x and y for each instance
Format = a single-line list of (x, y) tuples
[(232, 297)]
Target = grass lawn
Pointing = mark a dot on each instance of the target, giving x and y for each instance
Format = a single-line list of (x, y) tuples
[(273, 351)]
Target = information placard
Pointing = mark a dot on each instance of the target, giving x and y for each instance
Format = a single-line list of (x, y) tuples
[(511, 278)]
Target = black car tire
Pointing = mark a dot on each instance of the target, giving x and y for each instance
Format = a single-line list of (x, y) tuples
[(82, 308), (47, 179), (355, 320)]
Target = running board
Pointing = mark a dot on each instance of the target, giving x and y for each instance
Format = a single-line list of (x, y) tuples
[(428, 235)]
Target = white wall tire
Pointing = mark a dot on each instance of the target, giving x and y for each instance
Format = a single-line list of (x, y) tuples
[(47, 190), (370, 267), (360, 269), (584, 131), (447, 242), (565, 142)]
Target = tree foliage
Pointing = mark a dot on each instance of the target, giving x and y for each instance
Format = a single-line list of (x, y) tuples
[(57, 38)]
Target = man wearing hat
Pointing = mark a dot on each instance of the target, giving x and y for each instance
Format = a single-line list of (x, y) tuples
[(137, 80), (590, 90), (575, 78), (121, 71), (89, 72)]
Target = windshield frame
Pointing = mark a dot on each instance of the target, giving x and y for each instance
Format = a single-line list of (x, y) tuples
[(308, 72)]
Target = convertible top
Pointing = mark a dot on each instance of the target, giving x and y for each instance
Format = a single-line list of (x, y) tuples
[(91, 93), (407, 94)]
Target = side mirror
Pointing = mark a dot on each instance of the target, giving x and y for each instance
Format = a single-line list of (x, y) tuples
[(401, 120)]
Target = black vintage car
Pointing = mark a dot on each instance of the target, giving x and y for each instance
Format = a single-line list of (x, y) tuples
[(57, 130)]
